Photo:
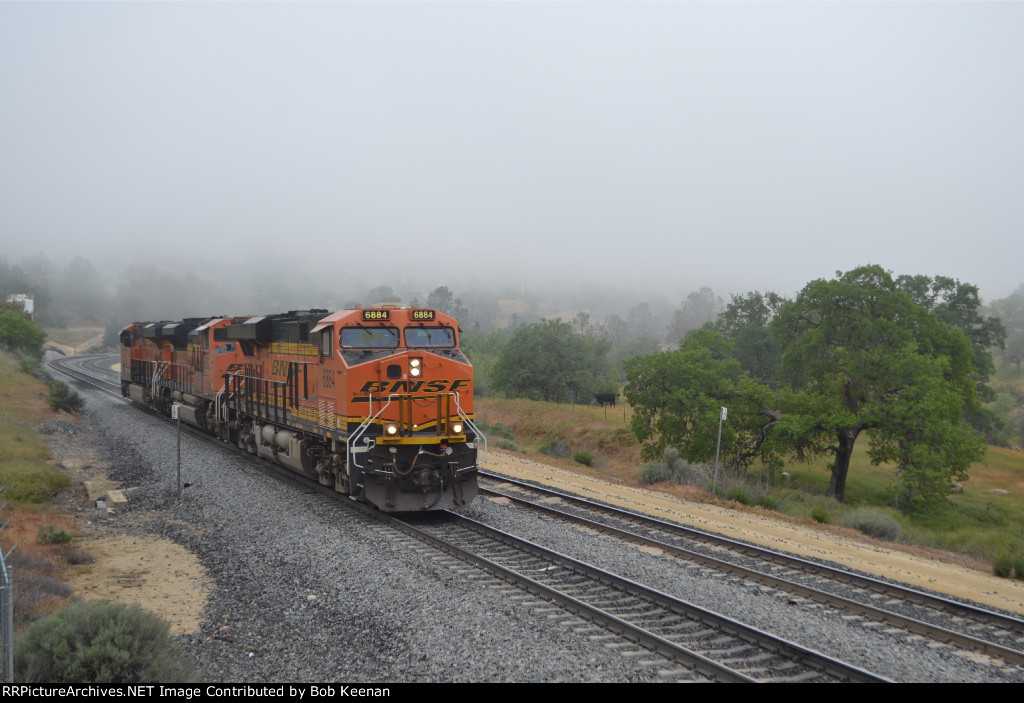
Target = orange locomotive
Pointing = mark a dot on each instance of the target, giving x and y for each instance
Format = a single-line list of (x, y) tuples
[(377, 402)]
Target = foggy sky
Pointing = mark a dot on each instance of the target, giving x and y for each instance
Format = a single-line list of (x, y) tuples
[(673, 144)]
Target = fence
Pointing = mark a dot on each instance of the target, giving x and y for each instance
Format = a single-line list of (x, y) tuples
[(6, 612)]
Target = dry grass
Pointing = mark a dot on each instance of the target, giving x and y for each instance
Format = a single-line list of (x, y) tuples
[(40, 570), (583, 427)]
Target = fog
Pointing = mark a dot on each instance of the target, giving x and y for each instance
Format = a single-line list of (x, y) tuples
[(610, 151)]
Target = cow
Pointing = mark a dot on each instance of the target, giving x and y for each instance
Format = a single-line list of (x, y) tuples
[(605, 399)]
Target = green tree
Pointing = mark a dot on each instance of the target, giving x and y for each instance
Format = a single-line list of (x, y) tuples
[(483, 349), (677, 398), (745, 322), (547, 360), (18, 332), (1014, 353), (862, 356)]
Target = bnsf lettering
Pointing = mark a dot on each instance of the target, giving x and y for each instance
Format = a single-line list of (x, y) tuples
[(439, 386), (279, 368)]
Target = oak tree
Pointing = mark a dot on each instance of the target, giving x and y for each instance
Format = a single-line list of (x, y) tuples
[(861, 356)]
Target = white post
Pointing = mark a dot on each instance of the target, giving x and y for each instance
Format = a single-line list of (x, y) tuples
[(718, 449)]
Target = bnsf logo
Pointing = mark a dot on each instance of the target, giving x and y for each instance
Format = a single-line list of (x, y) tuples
[(439, 386)]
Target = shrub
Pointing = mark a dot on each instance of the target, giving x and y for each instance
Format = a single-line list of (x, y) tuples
[(48, 535), (556, 448), (63, 398), (670, 468), (499, 430), (509, 445), (819, 514), (874, 523), (99, 643), (76, 556), (583, 457), (656, 472), (767, 500), (1009, 566), (739, 495)]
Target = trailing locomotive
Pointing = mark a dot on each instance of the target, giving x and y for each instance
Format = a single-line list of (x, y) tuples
[(376, 403)]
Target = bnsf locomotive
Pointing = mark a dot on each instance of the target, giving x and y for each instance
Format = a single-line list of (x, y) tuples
[(377, 403)]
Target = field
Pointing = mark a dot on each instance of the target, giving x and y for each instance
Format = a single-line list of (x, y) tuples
[(985, 521)]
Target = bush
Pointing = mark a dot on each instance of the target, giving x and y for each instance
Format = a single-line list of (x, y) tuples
[(819, 514), (63, 398), (48, 535), (656, 472), (767, 500), (583, 457), (556, 448), (739, 495), (498, 430), (99, 643), (509, 445), (670, 468), (1009, 566), (874, 523)]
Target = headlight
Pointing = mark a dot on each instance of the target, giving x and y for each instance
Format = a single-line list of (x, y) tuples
[(457, 428), (415, 366), (391, 430)]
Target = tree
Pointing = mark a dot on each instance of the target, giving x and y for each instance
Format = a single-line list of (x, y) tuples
[(547, 360), (677, 398), (862, 356), (19, 332), (699, 308), (1010, 310), (745, 321), (444, 300), (483, 350), (1014, 353)]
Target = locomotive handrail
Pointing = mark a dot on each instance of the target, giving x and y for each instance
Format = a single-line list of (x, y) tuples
[(354, 437), (370, 418), (472, 425)]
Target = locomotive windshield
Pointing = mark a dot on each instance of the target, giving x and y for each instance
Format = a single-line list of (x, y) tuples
[(429, 337), (369, 337)]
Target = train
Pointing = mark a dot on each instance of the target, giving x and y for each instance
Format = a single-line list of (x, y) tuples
[(375, 402)]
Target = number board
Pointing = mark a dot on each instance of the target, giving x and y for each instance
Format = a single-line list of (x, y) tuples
[(376, 315), (423, 314)]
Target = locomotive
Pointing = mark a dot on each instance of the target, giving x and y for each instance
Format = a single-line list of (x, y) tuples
[(376, 403)]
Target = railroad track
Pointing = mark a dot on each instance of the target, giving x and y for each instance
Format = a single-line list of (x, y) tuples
[(714, 646), (941, 619), (711, 646)]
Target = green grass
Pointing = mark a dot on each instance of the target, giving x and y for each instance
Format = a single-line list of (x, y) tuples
[(25, 473)]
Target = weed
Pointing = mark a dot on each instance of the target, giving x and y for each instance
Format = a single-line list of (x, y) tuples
[(819, 514)]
